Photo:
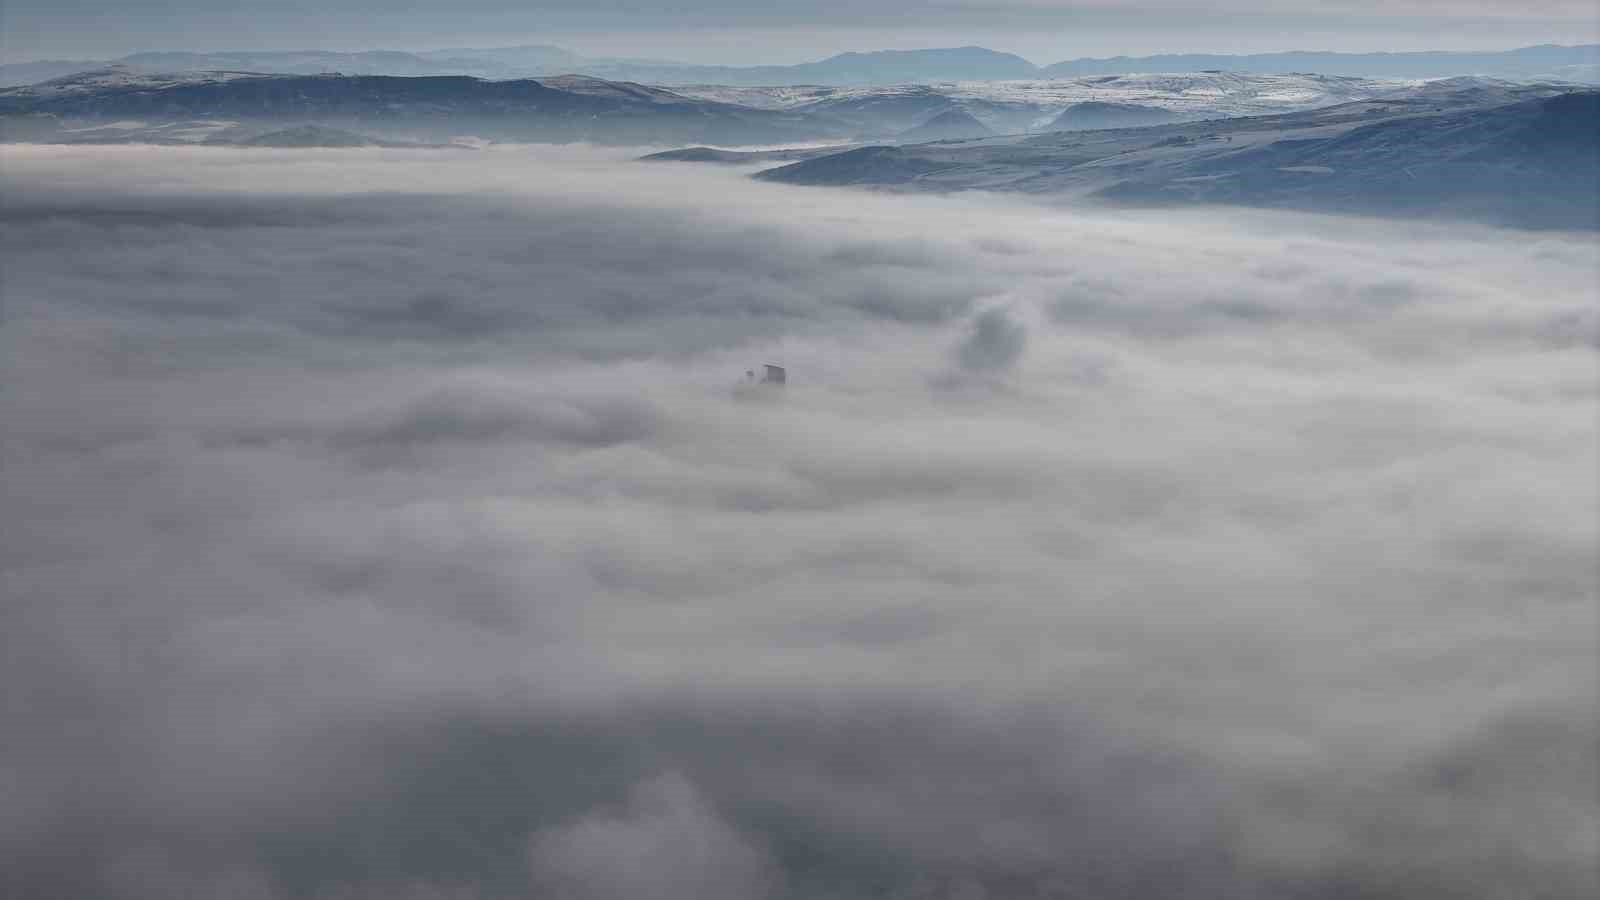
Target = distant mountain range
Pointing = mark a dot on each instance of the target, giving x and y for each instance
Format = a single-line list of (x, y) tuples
[(1502, 151), (1548, 61), (427, 109), (881, 67), (122, 104), (1527, 156), (1011, 107)]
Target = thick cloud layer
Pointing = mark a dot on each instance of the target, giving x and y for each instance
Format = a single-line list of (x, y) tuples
[(390, 524)]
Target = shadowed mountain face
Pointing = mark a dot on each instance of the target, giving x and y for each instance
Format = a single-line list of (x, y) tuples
[(1534, 162), (1561, 132), (1095, 114), (896, 108), (311, 136), (567, 108), (881, 67), (951, 125), (740, 157)]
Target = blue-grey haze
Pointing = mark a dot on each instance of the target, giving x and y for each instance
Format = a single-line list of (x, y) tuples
[(723, 31)]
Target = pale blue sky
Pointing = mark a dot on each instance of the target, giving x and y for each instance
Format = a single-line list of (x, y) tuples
[(743, 32)]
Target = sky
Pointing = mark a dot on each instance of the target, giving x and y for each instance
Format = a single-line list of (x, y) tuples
[(400, 524), (724, 31)]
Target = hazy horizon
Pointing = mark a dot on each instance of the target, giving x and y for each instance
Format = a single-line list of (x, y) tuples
[(720, 32), (800, 57)]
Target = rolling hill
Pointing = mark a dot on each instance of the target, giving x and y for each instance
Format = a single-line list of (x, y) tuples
[(1527, 156), (877, 67), (566, 108), (952, 124)]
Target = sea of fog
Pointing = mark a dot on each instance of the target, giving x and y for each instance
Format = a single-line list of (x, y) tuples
[(397, 524)]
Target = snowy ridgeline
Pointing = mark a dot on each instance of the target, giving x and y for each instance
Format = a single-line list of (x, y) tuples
[(1196, 94), (95, 107), (1525, 157), (1001, 106)]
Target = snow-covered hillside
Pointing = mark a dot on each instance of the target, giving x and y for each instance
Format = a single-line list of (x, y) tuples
[(123, 78), (1032, 104), (434, 109), (1523, 156), (1201, 94)]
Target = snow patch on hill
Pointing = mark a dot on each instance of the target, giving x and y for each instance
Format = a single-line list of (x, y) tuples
[(1194, 94), (125, 78)]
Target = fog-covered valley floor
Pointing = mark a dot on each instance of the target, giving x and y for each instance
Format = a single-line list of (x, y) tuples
[(396, 524)]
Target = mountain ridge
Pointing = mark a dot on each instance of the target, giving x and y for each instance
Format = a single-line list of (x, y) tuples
[(577, 107), (1526, 157), (1577, 62), (429, 108)]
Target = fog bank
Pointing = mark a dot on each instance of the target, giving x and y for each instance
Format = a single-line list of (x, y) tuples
[(395, 524)]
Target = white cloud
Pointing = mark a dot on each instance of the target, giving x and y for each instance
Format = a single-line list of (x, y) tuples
[(666, 845), (373, 514)]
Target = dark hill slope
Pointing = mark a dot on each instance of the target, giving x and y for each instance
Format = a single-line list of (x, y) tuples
[(886, 111), (1533, 163), (950, 125), (568, 108), (1094, 114), (311, 136)]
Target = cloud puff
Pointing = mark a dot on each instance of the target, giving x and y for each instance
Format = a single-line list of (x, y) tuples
[(996, 342), (381, 524), (666, 844)]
